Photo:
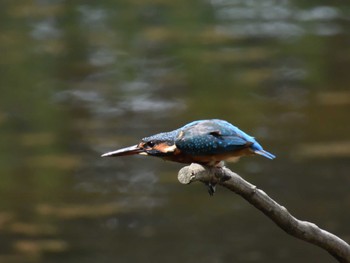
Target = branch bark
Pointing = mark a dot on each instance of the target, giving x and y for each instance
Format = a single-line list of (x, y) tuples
[(303, 230)]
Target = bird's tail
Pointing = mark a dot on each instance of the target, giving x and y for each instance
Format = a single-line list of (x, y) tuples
[(265, 154)]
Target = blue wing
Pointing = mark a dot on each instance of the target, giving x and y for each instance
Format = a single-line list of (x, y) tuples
[(211, 137)]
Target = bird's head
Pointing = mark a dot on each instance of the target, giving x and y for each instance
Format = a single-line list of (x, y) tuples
[(159, 145)]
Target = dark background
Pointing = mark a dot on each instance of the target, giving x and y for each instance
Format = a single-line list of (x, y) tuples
[(79, 78)]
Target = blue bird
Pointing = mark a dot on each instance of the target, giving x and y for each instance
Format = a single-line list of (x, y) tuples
[(206, 142)]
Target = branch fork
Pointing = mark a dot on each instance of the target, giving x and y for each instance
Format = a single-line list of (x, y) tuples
[(303, 230)]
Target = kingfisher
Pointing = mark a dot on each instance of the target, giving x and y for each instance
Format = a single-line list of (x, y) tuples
[(207, 142)]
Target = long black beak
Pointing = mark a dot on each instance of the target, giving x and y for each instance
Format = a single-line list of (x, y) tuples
[(131, 150)]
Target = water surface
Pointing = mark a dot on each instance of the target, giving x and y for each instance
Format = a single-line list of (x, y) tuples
[(82, 78)]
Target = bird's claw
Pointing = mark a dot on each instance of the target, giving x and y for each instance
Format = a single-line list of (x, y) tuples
[(211, 188)]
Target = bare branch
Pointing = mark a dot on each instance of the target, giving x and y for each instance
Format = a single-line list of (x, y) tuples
[(303, 230)]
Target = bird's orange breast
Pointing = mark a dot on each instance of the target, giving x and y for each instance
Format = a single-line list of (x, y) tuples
[(180, 157)]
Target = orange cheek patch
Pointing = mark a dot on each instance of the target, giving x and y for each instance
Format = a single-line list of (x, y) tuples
[(165, 148)]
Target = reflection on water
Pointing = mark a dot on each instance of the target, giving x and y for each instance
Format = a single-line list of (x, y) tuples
[(280, 20), (81, 79)]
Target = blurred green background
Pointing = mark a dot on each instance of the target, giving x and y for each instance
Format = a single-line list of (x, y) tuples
[(79, 78)]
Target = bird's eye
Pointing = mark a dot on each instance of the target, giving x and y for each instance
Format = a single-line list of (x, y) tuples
[(151, 143)]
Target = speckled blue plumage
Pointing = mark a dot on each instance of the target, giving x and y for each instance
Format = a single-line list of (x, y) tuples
[(163, 137), (209, 137)]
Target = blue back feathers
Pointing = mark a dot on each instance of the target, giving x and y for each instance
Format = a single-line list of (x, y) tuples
[(210, 137)]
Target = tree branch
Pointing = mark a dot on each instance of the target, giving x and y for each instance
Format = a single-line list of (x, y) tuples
[(303, 230)]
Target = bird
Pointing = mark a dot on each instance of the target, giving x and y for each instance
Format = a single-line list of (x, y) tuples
[(206, 142)]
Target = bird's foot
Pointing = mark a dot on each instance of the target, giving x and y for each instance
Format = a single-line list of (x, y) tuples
[(211, 188)]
